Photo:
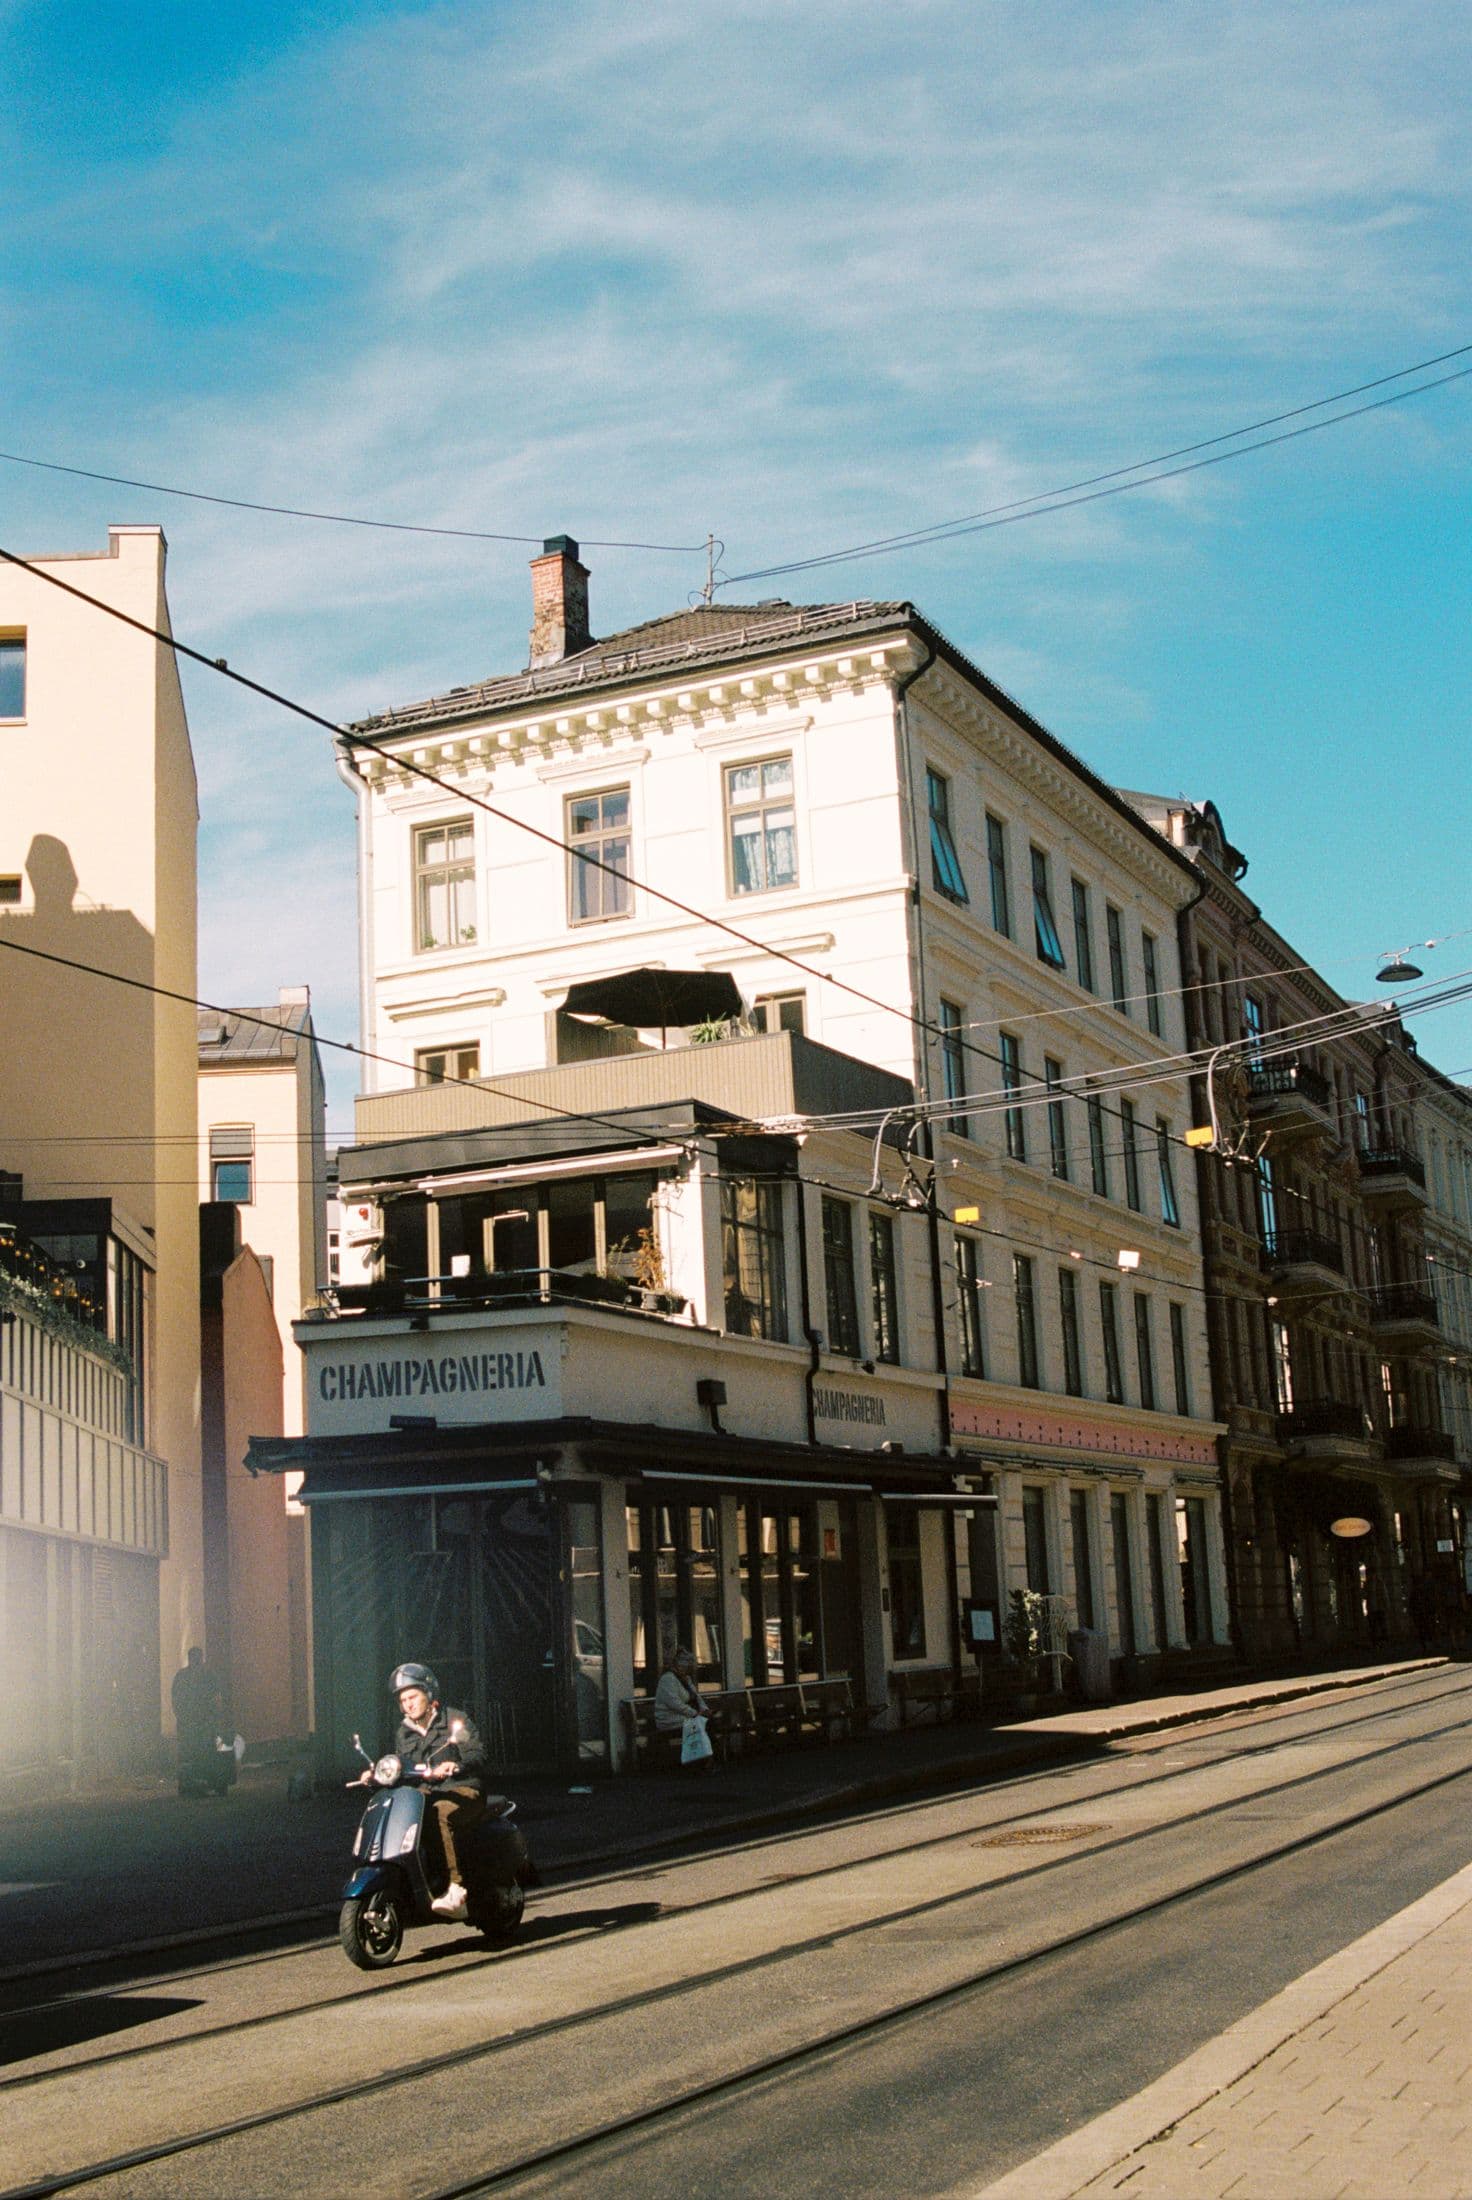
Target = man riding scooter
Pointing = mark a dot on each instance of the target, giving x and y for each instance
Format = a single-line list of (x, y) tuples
[(444, 1743)]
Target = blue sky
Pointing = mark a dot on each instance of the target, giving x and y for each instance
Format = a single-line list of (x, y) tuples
[(802, 275)]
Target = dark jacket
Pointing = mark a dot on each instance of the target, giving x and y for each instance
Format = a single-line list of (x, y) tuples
[(450, 1734)]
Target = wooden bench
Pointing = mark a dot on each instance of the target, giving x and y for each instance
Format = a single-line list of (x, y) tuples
[(650, 1746), (828, 1705), (777, 1712), (937, 1690)]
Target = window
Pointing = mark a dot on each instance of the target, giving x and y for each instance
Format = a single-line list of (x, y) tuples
[(953, 1062), (1282, 1367), (996, 865), (1098, 1150), (970, 1286), (1179, 1365), (598, 833), (1124, 1573), (1362, 1138), (433, 1065), (1028, 1374), (1057, 1119), (1252, 1025), (1073, 1359), (1170, 1209), (761, 826), (883, 1288), (1155, 1551), (10, 890), (906, 1581), (945, 865), (1144, 1352), (1083, 1556), (1045, 929), (1083, 936), (1113, 1363), (1152, 984), (12, 676), (753, 1258), (1267, 1203), (838, 1277), (1011, 1082), (1119, 989), (232, 1163), (781, 1012), (1191, 1547), (444, 884), (1127, 1127)]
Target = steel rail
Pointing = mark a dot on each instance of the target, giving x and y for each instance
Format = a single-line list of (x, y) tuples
[(487, 2050)]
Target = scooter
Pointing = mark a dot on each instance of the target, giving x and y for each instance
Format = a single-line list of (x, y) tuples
[(389, 1887)]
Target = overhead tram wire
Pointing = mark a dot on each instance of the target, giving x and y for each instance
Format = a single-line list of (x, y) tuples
[(420, 771), (1065, 499), (341, 1046), (334, 519)]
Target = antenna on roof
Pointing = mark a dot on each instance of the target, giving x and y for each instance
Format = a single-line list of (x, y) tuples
[(713, 551)]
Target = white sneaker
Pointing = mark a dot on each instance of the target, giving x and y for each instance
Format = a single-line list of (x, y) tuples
[(451, 1903)]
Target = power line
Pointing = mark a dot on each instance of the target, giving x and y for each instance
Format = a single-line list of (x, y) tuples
[(334, 519), (1064, 499)]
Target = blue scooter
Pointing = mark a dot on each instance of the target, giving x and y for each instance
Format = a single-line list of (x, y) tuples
[(389, 1888)]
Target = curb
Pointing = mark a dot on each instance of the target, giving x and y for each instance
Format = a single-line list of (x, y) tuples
[(1109, 2140)]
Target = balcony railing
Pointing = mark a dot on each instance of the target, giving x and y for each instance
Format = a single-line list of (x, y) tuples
[(1306, 1249), (1401, 1303), (1334, 1417), (422, 1296), (1420, 1443), (1380, 1162), (1284, 1080)]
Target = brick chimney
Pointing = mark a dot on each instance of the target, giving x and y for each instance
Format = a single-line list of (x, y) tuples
[(559, 603)]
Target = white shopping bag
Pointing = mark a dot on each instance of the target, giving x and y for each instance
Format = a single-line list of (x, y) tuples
[(695, 1743)]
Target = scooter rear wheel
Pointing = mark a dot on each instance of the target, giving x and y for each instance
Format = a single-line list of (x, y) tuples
[(371, 1929), (499, 1915)]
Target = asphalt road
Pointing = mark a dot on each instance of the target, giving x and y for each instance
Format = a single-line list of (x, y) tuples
[(770, 1950)]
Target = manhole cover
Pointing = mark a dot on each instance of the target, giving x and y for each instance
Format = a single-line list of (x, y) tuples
[(1021, 1837)]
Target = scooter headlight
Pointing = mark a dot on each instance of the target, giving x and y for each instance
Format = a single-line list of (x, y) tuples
[(386, 1771)]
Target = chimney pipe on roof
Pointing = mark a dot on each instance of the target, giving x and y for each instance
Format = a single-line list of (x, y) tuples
[(559, 603)]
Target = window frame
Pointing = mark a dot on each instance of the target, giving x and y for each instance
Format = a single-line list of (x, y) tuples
[(14, 647), (952, 1020), (946, 874), (1180, 1360), (996, 867), (450, 874), (840, 1282), (969, 1288), (424, 1076), (1150, 954), (601, 881), (1145, 1352), (1029, 1353), (1098, 1146), (1170, 1205), (1071, 1332), (1048, 945), (1113, 1351), (1119, 980), (1057, 1119), (1129, 1131), (763, 1232), (732, 809), (770, 1011), (1083, 935), (1010, 1050), (884, 1290)]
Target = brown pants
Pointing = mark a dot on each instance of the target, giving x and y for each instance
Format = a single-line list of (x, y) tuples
[(454, 1809)]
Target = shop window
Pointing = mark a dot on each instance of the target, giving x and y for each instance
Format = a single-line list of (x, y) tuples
[(797, 1565), (754, 1258), (906, 1582), (675, 1590)]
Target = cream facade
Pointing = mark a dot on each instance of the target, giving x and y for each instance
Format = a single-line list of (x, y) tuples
[(841, 787), (97, 1079)]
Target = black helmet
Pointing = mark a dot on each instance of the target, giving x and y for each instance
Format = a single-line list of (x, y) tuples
[(414, 1676)]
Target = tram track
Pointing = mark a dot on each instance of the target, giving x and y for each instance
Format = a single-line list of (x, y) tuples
[(753, 2071), (984, 1825)]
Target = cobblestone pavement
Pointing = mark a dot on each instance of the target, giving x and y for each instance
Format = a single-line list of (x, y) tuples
[(1353, 2084)]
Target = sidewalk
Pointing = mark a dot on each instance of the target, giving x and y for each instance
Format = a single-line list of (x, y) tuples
[(136, 1866), (1354, 2083)]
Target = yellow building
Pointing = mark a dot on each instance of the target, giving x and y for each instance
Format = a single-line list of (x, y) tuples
[(98, 1124)]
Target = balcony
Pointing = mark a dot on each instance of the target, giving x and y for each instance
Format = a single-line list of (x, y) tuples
[(1423, 1451), (1392, 1180), (1404, 1315), (1291, 1100), (1305, 1260), (1327, 1428), (420, 1297)]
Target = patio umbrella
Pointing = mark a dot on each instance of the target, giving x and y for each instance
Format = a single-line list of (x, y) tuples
[(645, 998)]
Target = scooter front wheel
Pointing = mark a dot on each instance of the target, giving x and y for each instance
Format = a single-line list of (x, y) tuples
[(371, 1929)]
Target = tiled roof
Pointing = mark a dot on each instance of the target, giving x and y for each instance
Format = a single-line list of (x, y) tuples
[(705, 634), (252, 1034)]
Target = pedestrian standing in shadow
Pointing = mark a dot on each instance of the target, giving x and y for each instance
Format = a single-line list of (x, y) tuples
[(196, 1698)]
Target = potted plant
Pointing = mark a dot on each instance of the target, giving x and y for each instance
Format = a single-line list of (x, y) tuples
[(1022, 1643)]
